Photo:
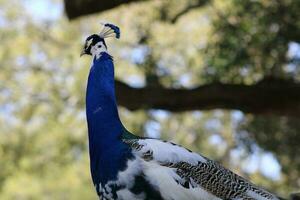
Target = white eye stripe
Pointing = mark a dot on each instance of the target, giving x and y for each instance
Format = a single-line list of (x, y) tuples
[(89, 42)]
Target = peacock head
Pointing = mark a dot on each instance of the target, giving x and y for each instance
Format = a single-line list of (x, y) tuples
[(95, 44)]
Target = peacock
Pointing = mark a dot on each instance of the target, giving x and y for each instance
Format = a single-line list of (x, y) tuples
[(128, 167)]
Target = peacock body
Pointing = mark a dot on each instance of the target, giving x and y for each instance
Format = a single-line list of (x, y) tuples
[(128, 167)]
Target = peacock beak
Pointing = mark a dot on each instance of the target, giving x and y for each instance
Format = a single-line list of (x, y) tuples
[(83, 52)]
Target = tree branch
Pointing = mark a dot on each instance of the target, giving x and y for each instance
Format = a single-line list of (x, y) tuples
[(198, 4), (79, 8), (267, 97)]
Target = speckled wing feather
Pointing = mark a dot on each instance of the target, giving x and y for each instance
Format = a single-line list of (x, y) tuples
[(204, 173), (217, 180)]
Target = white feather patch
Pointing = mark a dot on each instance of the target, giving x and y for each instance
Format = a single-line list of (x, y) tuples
[(125, 194), (127, 176), (167, 152), (163, 178), (126, 179)]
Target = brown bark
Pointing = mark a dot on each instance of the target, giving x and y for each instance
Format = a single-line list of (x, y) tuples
[(77, 8), (267, 97)]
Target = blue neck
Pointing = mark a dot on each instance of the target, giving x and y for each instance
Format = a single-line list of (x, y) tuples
[(102, 114), (108, 154)]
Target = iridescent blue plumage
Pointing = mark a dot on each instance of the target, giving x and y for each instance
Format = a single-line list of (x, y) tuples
[(108, 154)]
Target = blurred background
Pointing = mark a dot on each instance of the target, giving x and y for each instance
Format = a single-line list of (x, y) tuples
[(235, 62)]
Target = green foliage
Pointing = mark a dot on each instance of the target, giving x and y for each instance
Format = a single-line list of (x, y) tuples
[(251, 37), (43, 138), (279, 135)]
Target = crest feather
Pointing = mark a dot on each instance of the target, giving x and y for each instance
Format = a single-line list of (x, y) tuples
[(110, 30)]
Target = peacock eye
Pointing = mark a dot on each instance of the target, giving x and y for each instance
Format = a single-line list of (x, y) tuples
[(99, 45)]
